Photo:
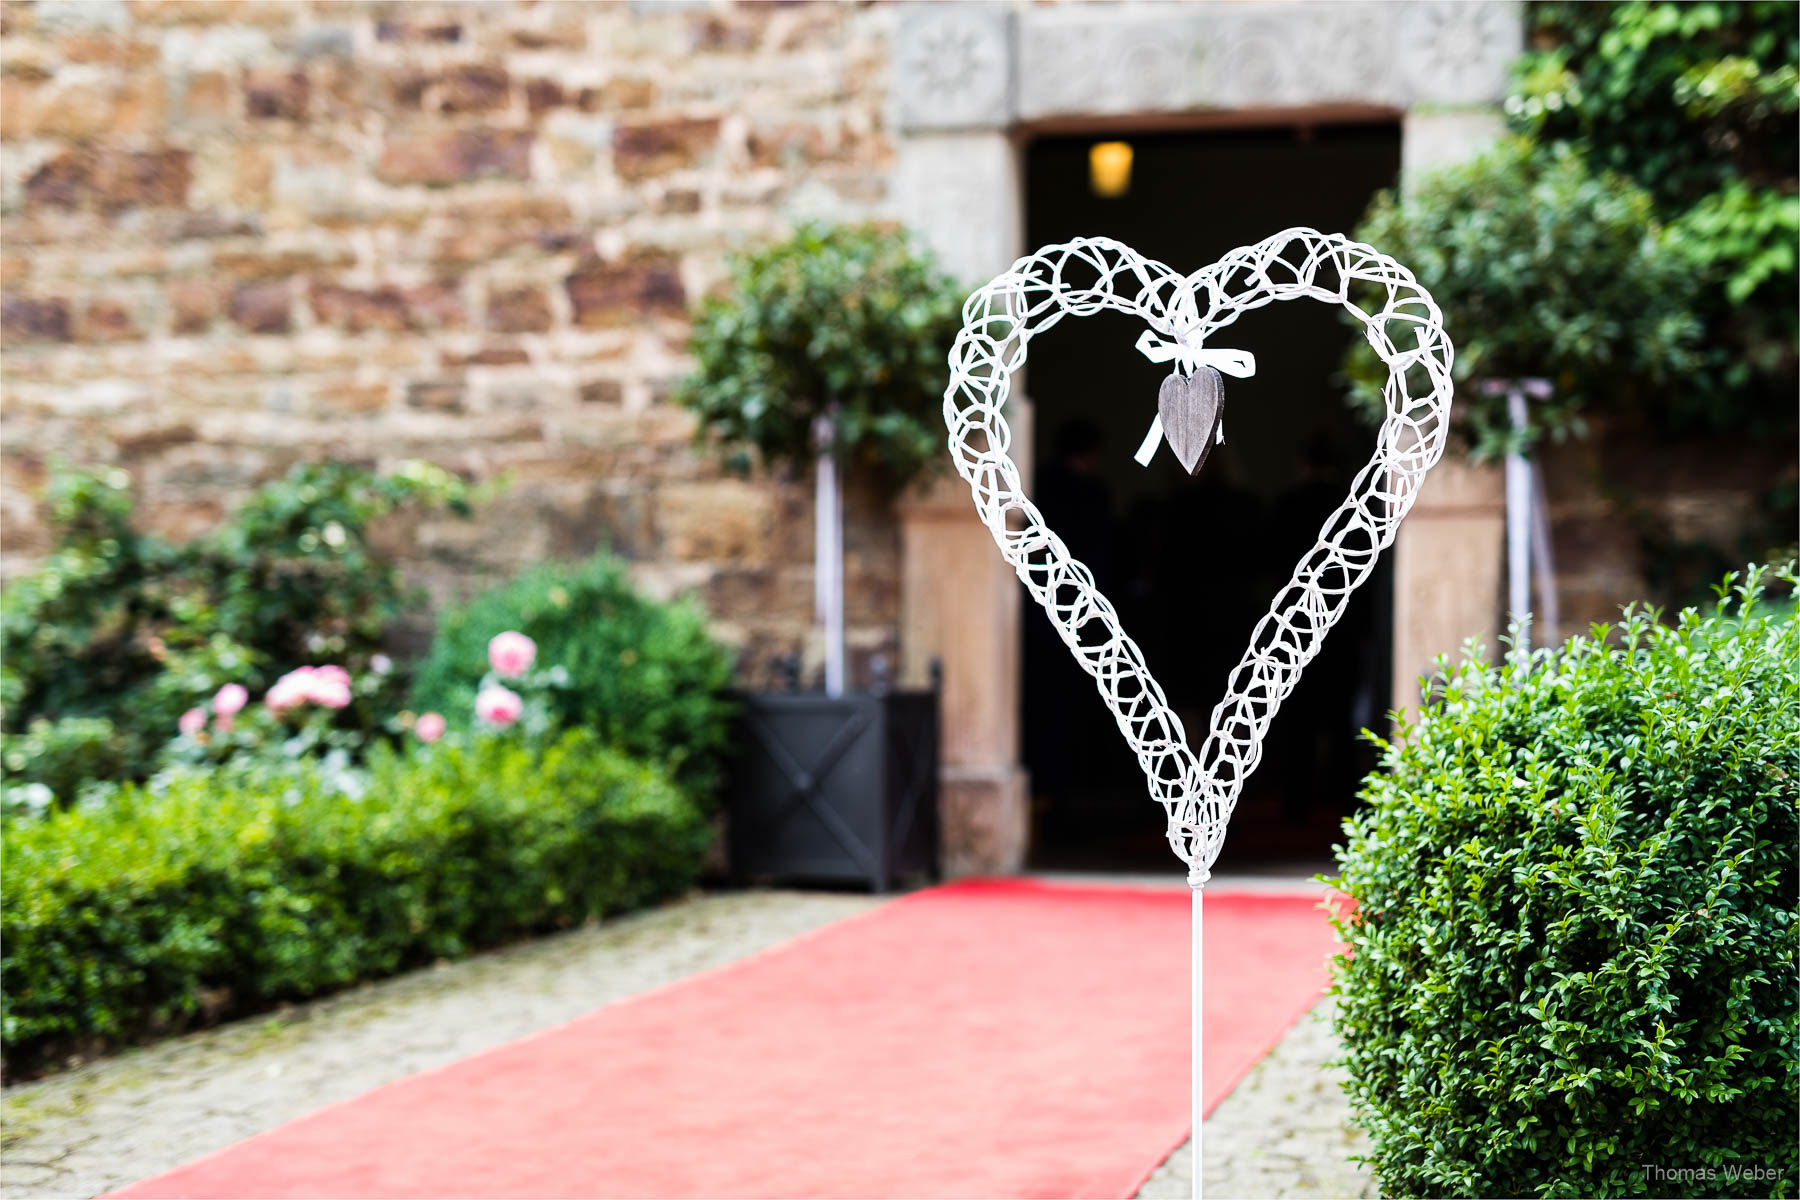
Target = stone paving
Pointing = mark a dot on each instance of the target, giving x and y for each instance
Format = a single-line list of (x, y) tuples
[(1283, 1131), (102, 1125)]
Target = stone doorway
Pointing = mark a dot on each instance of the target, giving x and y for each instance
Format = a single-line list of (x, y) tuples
[(975, 86), (1192, 563)]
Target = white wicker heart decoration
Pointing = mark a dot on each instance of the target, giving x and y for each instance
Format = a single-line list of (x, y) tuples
[(1082, 277)]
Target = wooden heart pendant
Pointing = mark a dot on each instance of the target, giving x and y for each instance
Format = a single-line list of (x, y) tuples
[(1190, 407)]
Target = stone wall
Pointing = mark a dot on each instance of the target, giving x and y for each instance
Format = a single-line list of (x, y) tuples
[(1635, 516), (238, 235), (1639, 517), (234, 236)]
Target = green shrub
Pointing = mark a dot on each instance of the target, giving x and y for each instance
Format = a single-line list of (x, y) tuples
[(1574, 947), (61, 755), (645, 676), (123, 919), (121, 625), (1542, 269), (78, 630)]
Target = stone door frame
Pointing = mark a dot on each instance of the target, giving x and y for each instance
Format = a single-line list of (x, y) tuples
[(971, 84)]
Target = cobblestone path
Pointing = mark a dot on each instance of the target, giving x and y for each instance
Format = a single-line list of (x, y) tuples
[(1284, 1131), (100, 1126)]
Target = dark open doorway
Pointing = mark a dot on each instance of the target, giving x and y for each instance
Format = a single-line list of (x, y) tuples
[(1191, 564)]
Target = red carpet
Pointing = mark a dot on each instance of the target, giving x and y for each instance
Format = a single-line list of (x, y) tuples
[(984, 1039)]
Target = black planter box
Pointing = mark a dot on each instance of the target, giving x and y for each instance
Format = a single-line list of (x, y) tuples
[(834, 790)]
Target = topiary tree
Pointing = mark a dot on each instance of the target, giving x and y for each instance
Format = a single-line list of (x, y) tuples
[(828, 350), (1574, 948), (1543, 269)]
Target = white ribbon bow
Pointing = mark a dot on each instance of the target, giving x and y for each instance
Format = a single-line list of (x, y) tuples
[(1188, 357)]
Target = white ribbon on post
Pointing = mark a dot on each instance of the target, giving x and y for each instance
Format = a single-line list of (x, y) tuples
[(1527, 513), (1188, 358)]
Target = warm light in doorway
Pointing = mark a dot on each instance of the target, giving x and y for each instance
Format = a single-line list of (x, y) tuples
[(1109, 168)]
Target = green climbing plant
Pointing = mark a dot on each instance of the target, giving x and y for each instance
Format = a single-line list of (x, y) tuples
[(1695, 103), (1543, 268)]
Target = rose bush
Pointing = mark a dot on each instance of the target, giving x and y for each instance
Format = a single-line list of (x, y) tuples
[(511, 653), (498, 706), (120, 626), (298, 716), (646, 676)]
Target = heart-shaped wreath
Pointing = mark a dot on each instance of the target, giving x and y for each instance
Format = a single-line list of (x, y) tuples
[(1082, 277)]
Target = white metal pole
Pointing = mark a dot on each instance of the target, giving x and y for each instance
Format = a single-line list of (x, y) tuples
[(1199, 1111), (1518, 517), (1543, 561), (834, 615), (822, 472), (828, 549)]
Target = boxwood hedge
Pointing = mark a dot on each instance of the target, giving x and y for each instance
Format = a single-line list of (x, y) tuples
[(135, 916), (1571, 966)]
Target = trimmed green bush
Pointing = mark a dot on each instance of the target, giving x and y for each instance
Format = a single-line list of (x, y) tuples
[(1574, 947), (645, 676), (129, 918)]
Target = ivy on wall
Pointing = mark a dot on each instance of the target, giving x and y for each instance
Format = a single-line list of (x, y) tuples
[(1696, 103)]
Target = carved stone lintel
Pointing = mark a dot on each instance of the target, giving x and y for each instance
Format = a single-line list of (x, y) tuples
[(1459, 53), (973, 66), (1102, 60), (953, 67), (1081, 59)]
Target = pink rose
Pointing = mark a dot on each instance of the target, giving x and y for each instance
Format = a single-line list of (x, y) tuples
[(430, 727), (327, 686), (291, 689), (230, 700), (329, 690), (192, 721), (498, 705), (511, 653)]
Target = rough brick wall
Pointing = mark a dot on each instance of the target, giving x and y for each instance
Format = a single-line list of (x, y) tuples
[(236, 235), (1638, 517)]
